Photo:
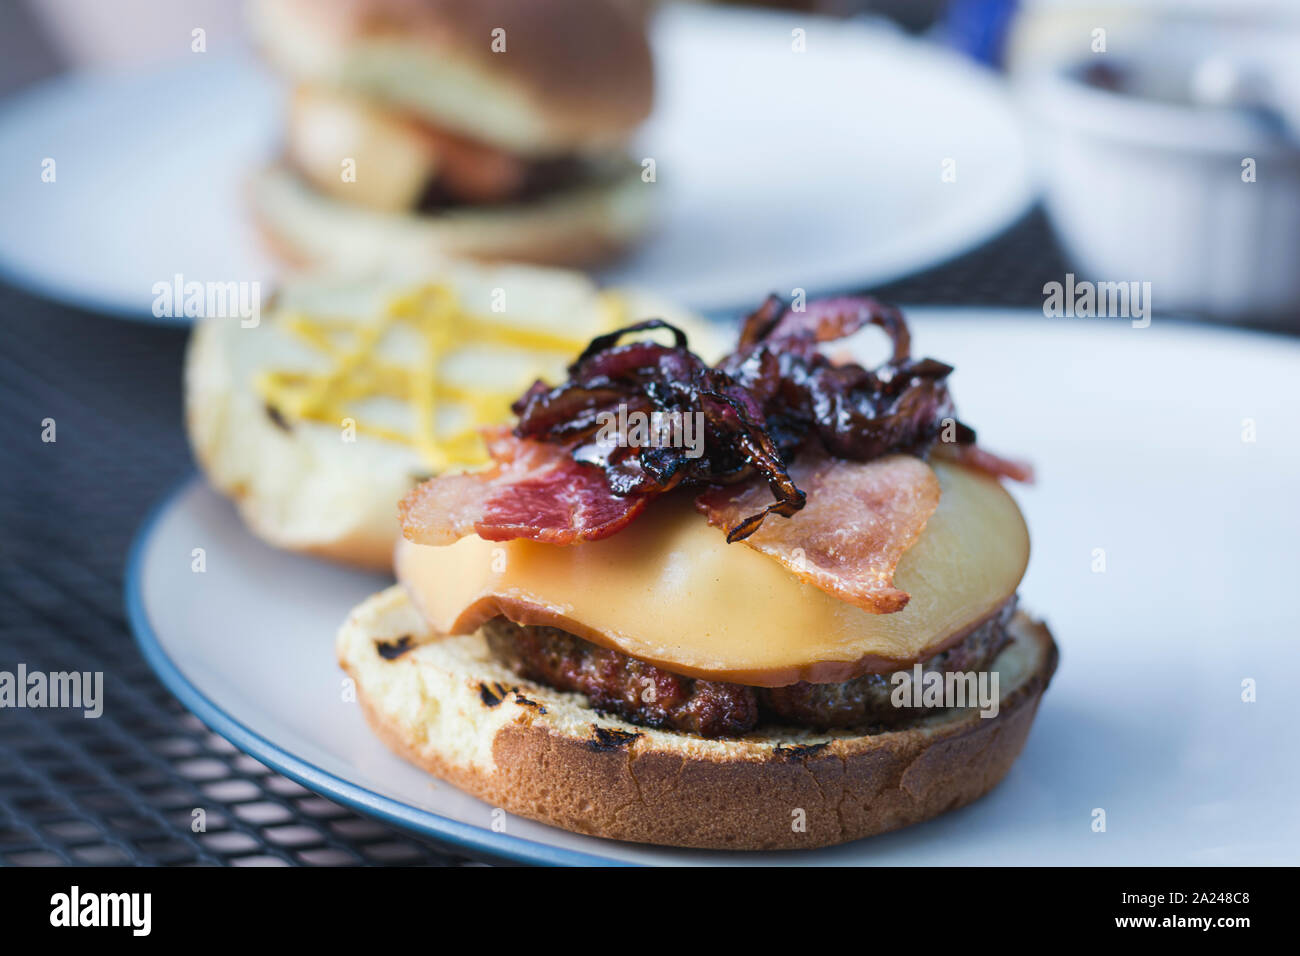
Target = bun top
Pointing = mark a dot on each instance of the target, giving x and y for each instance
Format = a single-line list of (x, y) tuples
[(531, 76)]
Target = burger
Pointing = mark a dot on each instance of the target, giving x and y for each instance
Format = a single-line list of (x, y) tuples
[(490, 129), (768, 603)]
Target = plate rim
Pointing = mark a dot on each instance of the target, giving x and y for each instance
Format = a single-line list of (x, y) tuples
[(449, 832)]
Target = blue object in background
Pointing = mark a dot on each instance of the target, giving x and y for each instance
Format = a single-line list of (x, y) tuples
[(979, 28)]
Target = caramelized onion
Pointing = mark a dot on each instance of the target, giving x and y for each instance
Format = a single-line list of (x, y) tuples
[(776, 396)]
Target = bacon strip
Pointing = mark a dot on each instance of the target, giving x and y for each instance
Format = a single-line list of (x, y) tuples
[(534, 490), (995, 466), (859, 519)]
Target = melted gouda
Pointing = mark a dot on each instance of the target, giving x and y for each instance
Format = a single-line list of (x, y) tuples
[(670, 590)]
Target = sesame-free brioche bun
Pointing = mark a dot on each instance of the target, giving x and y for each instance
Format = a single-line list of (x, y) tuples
[(303, 486), (574, 75), (579, 226), (449, 707)]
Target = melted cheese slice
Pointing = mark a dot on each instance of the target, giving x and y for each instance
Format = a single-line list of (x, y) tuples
[(670, 590)]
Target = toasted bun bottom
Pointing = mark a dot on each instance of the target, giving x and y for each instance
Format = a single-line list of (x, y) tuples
[(447, 706), (575, 227)]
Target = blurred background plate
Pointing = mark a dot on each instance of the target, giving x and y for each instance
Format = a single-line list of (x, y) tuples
[(776, 169), (1163, 560), (149, 170)]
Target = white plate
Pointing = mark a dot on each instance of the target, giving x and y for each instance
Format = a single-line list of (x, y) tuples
[(149, 172), (775, 169), (1137, 434)]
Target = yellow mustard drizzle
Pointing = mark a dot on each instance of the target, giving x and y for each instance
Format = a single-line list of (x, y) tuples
[(356, 372)]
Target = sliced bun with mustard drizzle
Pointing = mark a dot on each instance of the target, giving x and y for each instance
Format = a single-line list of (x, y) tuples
[(492, 129), (350, 391), (607, 634)]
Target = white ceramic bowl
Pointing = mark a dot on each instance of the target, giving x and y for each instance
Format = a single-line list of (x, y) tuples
[(1141, 188)]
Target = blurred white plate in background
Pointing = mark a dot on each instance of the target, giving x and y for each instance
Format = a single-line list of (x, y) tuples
[(1137, 435), (820, 170)]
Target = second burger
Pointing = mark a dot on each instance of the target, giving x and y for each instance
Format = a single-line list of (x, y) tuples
[(493, 129)]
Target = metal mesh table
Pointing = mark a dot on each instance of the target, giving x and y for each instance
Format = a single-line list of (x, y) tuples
[(122, 788)]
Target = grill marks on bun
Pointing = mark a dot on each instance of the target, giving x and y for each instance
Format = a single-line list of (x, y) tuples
[(574, 768)]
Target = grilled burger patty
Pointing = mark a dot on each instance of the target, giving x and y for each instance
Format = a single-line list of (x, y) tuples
[(532, 180), (865, 700), (644, 694), (616, 683)]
